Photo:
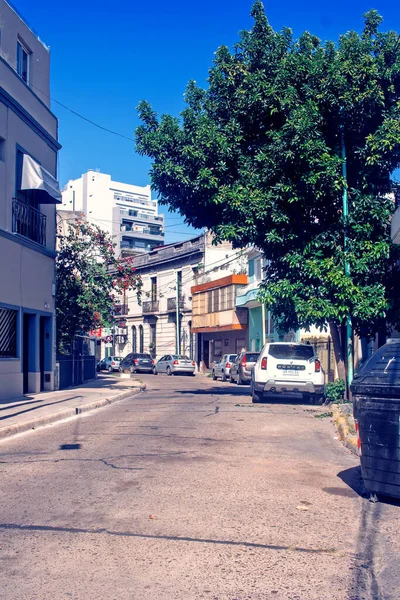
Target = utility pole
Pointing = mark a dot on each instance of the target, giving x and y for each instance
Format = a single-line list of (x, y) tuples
[(349, 329), (178, 324)]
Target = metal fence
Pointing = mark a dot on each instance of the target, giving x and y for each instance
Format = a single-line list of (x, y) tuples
[(78, 367)]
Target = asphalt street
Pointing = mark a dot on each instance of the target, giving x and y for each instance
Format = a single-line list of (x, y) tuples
[(188, 491)]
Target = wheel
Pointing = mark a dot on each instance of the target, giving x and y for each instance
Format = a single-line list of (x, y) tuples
[(169, 372), (316, 399), (110, 369), (239, 379), (308, 398), (255, 398), (231, 380), (213, 375), (155, 372), (223, 375), (133, 370)]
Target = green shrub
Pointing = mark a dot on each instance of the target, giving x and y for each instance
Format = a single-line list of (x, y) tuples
[(334, 391)]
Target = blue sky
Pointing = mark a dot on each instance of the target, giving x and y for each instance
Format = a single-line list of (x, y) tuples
[(107, 56)]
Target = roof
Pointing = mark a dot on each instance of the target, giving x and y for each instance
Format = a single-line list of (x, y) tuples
[(31, 29)]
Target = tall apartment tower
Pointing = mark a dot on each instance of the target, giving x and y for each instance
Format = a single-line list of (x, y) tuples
[(126, 211)]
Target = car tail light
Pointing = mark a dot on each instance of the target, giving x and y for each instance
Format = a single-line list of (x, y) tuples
[(317, 366), (193, 363), (264, 363), (152, 362), (228, 365), (244, 360), (176, 362), (112, 362), (135, 360)]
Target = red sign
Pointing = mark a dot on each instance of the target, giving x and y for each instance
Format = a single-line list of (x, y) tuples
[(96, 332)]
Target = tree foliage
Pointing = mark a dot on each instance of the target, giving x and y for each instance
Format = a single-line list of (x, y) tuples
[(91, 280), (257, 158)]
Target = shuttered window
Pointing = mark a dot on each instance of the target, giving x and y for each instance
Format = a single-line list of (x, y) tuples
[(8, 333)]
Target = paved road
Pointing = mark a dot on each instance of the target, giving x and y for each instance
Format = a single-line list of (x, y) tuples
[(187, 491)]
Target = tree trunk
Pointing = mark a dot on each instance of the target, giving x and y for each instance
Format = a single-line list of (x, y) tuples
[(337, 347)]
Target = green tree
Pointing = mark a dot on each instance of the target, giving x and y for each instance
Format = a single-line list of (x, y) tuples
[(256, 157), (90, 281)]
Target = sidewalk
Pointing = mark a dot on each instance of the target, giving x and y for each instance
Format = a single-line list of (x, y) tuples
[(36, 410)]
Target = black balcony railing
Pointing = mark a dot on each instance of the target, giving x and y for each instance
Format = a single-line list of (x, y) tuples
[(121, 309), (150, 307), (29, 222), (171, 303)]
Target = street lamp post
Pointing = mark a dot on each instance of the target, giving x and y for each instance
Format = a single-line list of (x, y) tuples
[(349, 329)]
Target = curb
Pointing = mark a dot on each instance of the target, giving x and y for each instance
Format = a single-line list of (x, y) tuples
[(16, 428), (346, 436)]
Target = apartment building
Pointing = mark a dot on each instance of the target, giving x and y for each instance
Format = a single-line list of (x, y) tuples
[(29, 193), (126, 211)]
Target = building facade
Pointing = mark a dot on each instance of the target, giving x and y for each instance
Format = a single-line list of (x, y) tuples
[(125, 211), (28, 194), (162, 323), (220, 326)]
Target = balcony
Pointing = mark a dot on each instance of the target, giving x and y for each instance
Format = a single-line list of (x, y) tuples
[(121, 309), (171, 304), (150, 307), (29, 222)]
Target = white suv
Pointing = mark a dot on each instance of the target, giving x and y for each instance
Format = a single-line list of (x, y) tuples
[(288, 369)]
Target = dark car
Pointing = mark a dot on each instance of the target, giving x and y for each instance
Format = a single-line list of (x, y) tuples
[(137, 363), (242, 367)]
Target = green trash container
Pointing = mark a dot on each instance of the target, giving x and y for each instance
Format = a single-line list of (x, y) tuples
[(376, 405)]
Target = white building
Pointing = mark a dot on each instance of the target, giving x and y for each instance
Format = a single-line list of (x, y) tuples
[(28, 194), (126, 211)]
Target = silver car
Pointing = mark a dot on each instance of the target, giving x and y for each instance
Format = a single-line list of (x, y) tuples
[(242, 367), (223, 366), (109, 363), (172, 364)]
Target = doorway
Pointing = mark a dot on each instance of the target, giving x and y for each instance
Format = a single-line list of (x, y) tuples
[(25, 353), (41, 351), (206, 353)]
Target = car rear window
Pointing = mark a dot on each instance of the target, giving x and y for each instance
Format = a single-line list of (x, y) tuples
[(180, 357), (142, 356), (232, 357), (251, 357), (117, 357), (291, 352)]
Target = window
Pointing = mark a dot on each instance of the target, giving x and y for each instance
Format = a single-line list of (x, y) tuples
[(141, 340), (23, 62), (291, 352), (257, 269), (153, 281), (2, 149), (134, 338), (8, 333)]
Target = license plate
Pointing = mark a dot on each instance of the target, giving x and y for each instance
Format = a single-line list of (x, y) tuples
[(290, 372)]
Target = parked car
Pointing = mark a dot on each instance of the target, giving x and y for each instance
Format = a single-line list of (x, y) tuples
[(172, 364), (289, 369), (222, 367), (137, 363), (109, 363), (241, 368)]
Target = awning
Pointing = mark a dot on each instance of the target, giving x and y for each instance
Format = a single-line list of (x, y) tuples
[(35, 177)]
